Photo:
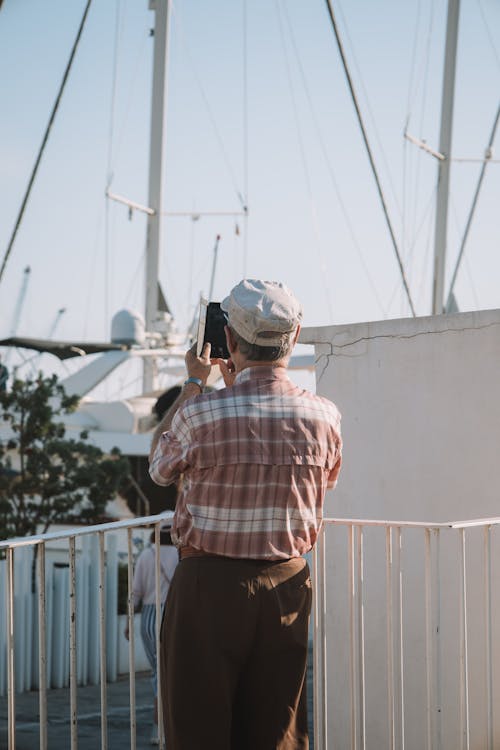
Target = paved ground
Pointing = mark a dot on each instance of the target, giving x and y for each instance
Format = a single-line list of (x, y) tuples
[(89, 719)]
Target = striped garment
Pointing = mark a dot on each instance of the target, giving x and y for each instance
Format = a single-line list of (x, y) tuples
[(144, 584), (148, 635), (144, 592), (256, 460)]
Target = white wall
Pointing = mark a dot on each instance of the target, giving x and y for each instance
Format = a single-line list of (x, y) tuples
[(421, 415), (420, 400)]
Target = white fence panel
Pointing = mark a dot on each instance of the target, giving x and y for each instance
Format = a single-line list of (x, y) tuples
[(65, 632), (57, 596), (408, 640)]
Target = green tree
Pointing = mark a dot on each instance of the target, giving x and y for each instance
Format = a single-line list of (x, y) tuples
[(46, 478)]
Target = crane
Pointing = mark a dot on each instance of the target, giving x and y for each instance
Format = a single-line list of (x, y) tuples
[(55, 322), (20, 301)]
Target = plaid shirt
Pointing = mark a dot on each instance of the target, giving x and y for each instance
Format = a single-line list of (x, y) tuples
[(256, 460)]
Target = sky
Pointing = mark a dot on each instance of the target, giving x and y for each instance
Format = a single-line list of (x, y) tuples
[(258, 107)]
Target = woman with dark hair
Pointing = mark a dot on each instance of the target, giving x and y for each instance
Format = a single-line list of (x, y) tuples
[(144, 592)]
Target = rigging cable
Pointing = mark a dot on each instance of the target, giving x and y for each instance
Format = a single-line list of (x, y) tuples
[(475, 296), (92, 274), (425, 81), (109, 168), (378, 139), (473, 206), (483, 168), (370, 156), (132, 296), (411, 87), (112, 108), (242, 198), (328, 164), (426, 259), (131, 92), (417, 95), (488, 32), (423, 84), (427, 213), (245, 134), (314, 216), (413, 64), (45, 139), (119, 140)]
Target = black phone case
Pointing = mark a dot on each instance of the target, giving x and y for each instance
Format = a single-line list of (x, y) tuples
[(214, 331)]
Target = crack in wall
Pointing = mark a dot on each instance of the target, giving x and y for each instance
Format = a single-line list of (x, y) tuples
[(332, 353)]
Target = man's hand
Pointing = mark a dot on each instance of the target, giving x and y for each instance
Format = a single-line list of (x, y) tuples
[(199, 367), (227, 369)]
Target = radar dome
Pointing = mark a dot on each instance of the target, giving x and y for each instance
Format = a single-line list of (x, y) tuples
[(127, 327)]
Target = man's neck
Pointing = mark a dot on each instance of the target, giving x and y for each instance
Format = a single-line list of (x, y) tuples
[(249, 363)]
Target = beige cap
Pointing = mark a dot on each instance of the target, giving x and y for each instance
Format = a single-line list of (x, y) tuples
[(262, 311)]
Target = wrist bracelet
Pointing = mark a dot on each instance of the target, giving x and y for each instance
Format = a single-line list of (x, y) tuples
[(196, 381)]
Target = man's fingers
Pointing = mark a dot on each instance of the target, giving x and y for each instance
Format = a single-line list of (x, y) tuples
[(227, 370), (225, 366), (205, 352), (199, 367)]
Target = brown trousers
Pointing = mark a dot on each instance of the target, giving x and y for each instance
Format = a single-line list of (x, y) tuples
[(233, 655)]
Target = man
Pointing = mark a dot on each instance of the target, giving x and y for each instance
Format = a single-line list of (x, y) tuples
[(256, 458)]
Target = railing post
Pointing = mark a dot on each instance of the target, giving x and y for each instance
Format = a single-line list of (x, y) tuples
[(72, 644), (488, 636), (11, 679), (400, 641), (319, 644), (102, 624), (131, 641), (361, 638), (390, 638), (352, 640), (464, 666), (429, 645), (42, 647), (158, 614), (439, 712)]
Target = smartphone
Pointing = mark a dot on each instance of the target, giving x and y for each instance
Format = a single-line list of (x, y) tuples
[(211, 325)]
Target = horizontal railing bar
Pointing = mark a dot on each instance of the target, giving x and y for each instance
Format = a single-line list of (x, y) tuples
[(475, 522), (78, 531), (413, 524), (168, 515), (384, 523)]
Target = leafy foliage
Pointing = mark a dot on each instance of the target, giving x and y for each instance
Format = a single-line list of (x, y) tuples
[(46, 478)]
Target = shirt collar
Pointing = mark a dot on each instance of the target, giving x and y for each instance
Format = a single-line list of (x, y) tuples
[(261, 372)]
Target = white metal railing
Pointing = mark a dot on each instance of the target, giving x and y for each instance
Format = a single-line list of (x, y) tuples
[(405, 631), (8, 578), (405, 634)]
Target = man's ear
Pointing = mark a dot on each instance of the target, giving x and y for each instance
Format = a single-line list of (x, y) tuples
[(296, 337), (230, 341)]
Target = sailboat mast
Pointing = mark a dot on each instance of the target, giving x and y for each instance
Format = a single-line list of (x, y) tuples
[(443, 187), (156, 161)]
